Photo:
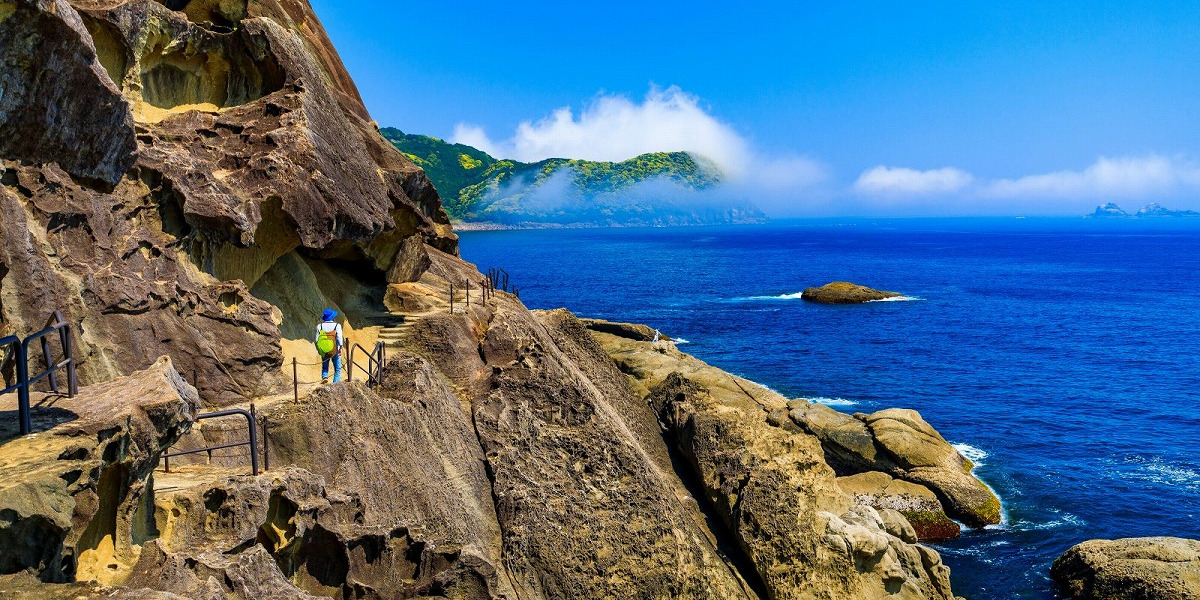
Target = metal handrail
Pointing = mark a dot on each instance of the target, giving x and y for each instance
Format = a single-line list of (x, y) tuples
[(375, 360), (56, 323), (252, 442)]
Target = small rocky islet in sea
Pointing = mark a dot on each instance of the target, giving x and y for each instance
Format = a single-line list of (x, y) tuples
[(844, 292), (192, 186)]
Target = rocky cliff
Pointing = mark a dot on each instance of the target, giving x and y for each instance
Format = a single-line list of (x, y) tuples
[(173, 172), (196, 181)]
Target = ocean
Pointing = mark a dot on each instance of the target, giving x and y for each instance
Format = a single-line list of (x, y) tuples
[(1061, 355)]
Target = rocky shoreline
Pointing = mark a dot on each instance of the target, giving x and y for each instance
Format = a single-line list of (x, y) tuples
[(193, 186)]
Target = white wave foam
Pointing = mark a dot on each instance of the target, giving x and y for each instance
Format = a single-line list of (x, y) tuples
[(896, 299), (972, 453), (1163, 472), (795, 296), (832, 401), (976, 456)]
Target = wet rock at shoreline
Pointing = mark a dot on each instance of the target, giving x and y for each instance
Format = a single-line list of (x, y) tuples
[(844, 292), (768, 480), (900, 443), (633, 331), (1157, 568), (919, 506)]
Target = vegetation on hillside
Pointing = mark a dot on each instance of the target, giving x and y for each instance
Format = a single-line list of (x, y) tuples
[(650, 189)]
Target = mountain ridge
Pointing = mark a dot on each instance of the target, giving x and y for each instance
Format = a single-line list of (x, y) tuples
[(656, 188)]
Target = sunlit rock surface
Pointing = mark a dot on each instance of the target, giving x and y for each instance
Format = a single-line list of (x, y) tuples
[(180, 172), (198, 181)]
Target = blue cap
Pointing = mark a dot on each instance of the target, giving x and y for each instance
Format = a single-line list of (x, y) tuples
[(329, 314)]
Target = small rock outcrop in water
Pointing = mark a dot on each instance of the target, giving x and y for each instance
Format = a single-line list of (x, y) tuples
[(1153, 210), (1157, 568), (844, 292)]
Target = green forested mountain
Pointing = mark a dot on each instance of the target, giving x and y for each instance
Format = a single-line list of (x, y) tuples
[(661, 188)]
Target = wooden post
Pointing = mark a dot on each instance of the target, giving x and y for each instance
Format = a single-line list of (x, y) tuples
[(295, 382)]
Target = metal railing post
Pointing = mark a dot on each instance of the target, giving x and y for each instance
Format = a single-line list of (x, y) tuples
[(49, 363), (68, 345), (295, 382), (253, 441), (23, 391)]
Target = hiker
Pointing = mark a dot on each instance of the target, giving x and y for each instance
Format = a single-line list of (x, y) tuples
[(329, 342)]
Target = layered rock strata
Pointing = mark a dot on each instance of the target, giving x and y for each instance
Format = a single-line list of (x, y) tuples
[(771, 482), (180, 172), (197, 181)]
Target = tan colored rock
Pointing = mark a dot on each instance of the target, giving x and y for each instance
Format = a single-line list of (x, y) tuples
[(1162, 568), (918, 505), (177, 186), (75, 498), (768, 481), (902, 444), (633, 331), (587, 501), (844, 292)]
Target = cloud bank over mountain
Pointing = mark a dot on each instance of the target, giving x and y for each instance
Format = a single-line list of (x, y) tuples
[(614, 128)]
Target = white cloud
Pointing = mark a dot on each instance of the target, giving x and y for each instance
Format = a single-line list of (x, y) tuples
[(902, 181), (614, 128), (1123, 177)]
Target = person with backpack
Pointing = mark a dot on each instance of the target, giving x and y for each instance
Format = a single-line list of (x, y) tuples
[(329, 343)]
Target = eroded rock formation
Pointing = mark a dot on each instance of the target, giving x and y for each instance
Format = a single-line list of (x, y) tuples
[(188, 166), (197, 181)]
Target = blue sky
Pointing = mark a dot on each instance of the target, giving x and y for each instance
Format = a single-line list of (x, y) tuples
[(859, 107)]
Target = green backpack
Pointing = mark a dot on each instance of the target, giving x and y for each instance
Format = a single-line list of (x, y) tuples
[(327, 342)]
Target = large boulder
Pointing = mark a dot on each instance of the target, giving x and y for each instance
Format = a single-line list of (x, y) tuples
[(1152, 568), (919, 506), (844, 292), (902, 444)]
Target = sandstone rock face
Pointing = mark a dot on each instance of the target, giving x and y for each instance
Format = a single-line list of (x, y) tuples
[(844, 292), (1159, 568), (185, 173), (901, 444), (768, 482), (919, 506), (198, 180), (633, 331), (74, 500)]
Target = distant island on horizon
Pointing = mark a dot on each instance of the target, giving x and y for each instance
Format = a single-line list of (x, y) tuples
[(480, 191), (1153, 210)]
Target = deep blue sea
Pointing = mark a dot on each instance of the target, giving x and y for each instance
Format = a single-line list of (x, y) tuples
[(1062, 354)]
